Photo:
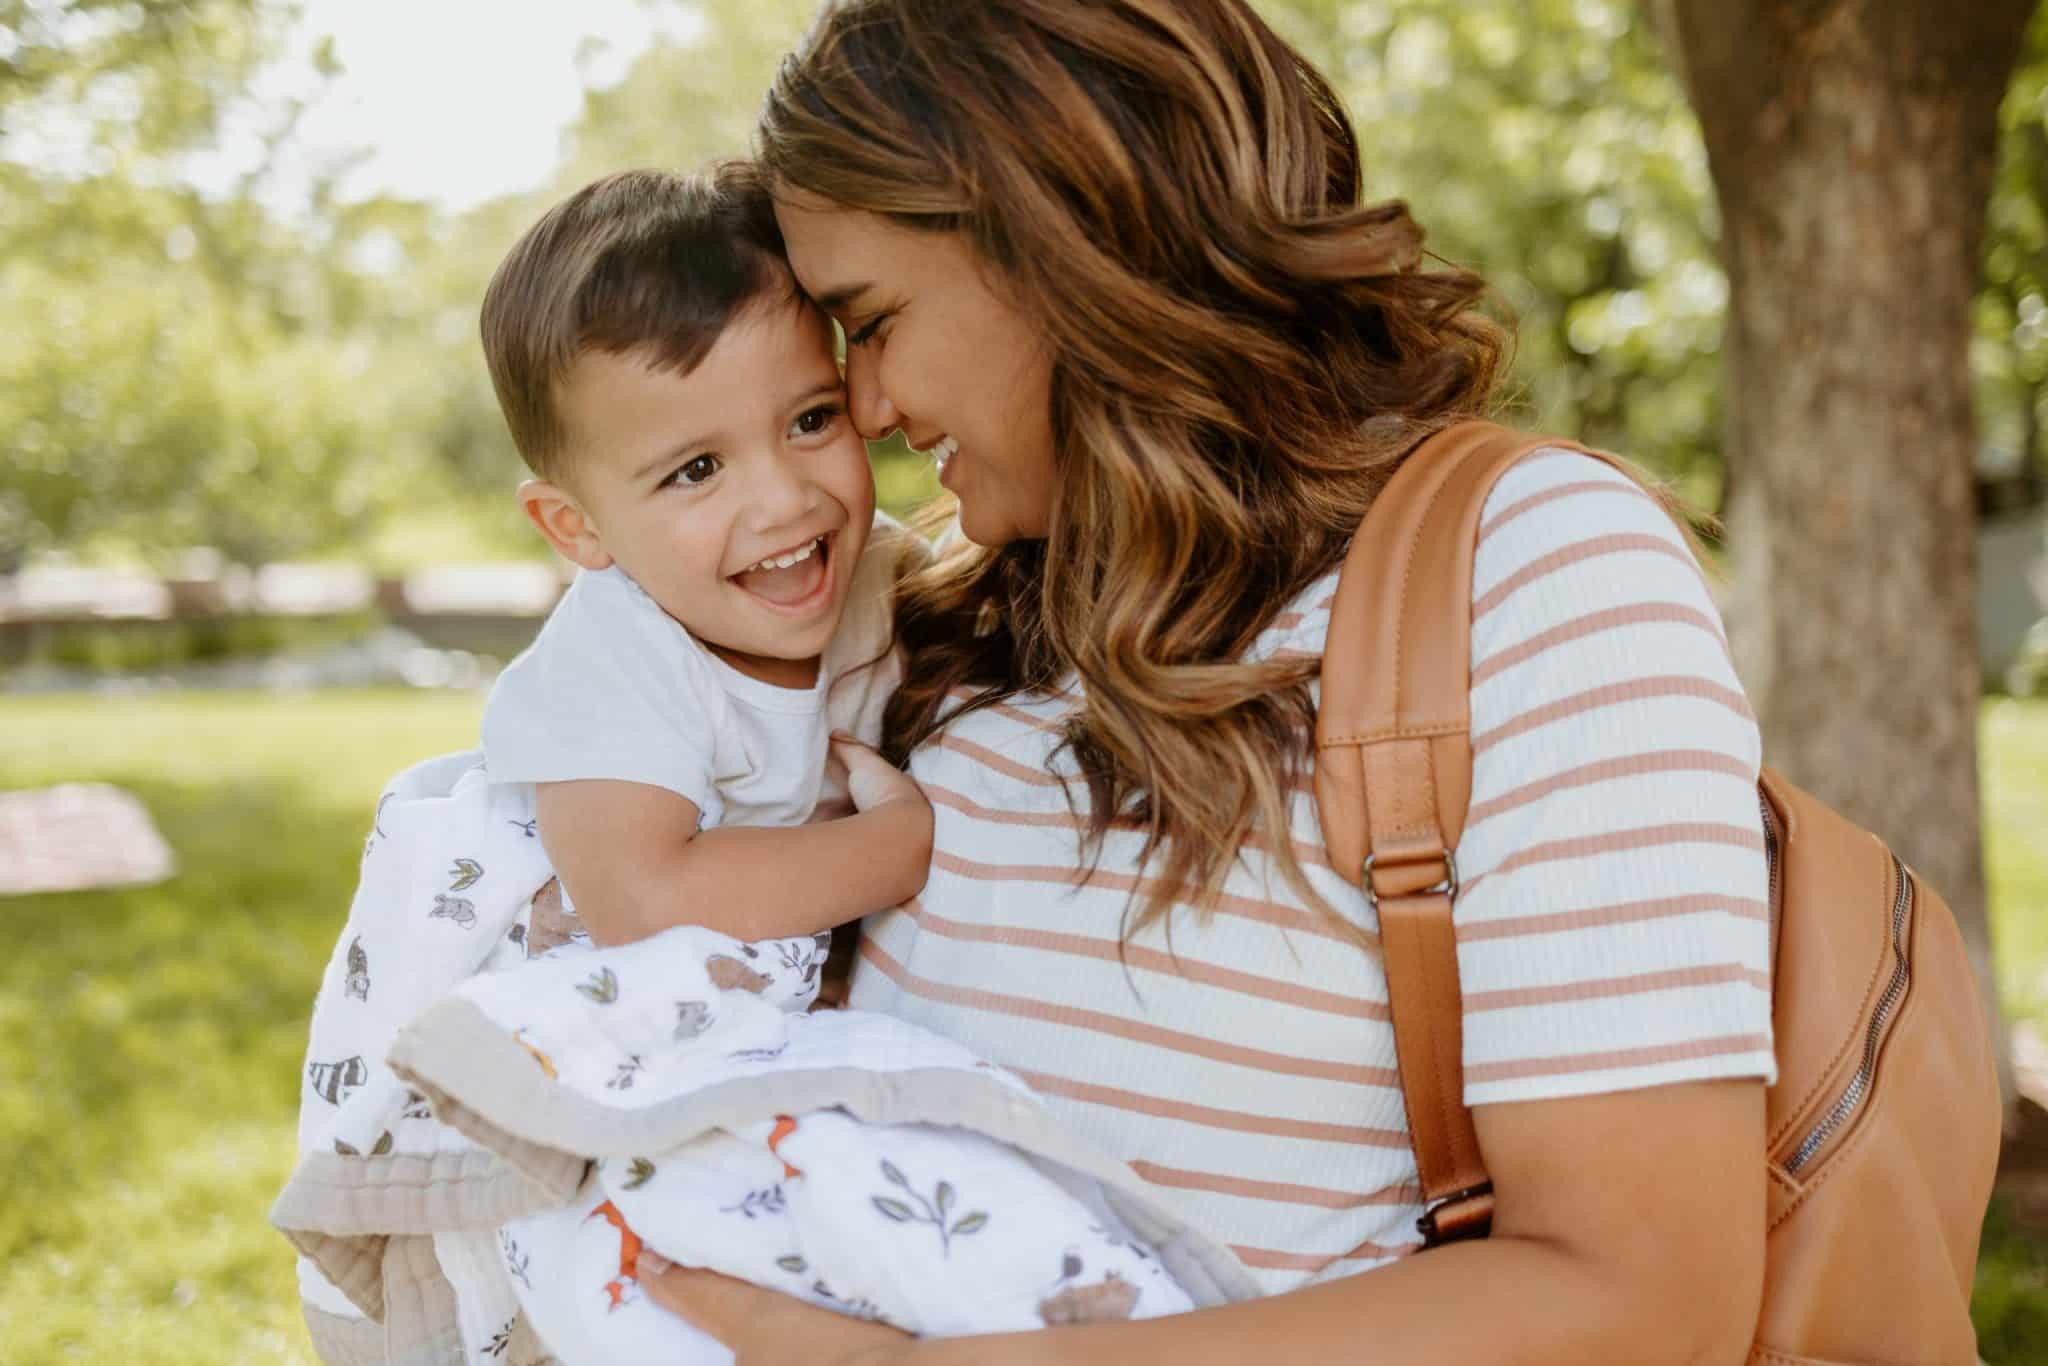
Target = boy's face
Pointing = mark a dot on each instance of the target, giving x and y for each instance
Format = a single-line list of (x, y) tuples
[(691, 482)]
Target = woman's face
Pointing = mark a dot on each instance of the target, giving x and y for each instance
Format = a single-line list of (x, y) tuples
[(933, 348)]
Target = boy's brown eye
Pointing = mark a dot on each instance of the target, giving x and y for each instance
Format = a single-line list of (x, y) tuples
[(698, 470)]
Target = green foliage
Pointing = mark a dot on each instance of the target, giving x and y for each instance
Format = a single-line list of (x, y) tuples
[(2011, 352), (1547, 146), (2010, 1303), (180, 370), (147, 77)]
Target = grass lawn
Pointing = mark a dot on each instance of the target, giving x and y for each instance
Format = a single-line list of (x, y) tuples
[(150, 1040)]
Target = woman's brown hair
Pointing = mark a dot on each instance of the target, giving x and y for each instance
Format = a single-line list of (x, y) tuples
[(1243, 352)]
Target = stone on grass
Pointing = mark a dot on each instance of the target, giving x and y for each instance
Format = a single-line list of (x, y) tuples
[(78, 836)]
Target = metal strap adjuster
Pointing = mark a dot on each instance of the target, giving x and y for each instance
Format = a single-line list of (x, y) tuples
[(1432, 1232), (1446, 886)]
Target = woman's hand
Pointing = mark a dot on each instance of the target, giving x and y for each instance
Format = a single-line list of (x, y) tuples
[(871, 780), (897, 820), (764, 1328)]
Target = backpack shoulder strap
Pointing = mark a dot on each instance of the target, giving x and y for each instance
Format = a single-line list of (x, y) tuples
[(1393, 776)]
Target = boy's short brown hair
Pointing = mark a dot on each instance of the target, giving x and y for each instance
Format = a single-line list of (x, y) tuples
[(641, 260)]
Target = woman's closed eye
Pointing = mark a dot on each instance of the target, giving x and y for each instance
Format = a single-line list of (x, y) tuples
[(867, 333), (691, 472)]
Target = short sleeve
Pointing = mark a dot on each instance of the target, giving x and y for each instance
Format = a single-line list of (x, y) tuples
[(612, 689), (1612, 921)]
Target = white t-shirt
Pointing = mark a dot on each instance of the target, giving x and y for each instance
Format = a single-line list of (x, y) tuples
[(614, 688)]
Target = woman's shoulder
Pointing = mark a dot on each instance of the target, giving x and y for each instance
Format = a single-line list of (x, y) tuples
[(868, 623), (1559, 523)]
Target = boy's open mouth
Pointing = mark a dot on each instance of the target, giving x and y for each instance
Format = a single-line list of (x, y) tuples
[(792, 578)]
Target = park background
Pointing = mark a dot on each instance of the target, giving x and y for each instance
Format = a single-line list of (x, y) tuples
[(258, 549)]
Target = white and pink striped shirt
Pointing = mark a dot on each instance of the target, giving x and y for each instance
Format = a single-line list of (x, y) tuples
[(1612, 925)]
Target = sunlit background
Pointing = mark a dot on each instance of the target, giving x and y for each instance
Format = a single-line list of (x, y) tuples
[(258, 548)]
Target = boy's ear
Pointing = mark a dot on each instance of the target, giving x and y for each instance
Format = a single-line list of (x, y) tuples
[(568, 529)]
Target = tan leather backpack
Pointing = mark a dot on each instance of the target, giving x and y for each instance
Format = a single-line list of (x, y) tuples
[(1883, 1127)]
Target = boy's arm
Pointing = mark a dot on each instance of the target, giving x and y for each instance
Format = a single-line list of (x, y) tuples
[(635, 863)]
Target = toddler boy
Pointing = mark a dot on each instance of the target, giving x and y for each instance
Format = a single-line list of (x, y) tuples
[(682, 410)]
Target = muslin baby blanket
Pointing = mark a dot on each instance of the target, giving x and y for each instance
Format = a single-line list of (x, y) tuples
[(495, 1116)]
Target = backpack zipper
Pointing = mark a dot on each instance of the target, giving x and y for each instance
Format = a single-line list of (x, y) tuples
[(1859, 1084), (1770, 861)]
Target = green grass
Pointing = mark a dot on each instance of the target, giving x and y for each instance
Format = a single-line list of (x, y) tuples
[(150, 1040), (2014, 750)]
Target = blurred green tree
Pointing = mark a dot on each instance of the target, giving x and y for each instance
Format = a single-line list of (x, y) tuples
[(184, 368), (2011, 345), (1547, 145)]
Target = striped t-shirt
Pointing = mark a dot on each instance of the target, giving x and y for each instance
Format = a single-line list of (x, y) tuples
[(1612, 924)]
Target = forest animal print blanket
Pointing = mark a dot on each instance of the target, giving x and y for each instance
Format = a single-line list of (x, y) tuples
[(495, 1116)]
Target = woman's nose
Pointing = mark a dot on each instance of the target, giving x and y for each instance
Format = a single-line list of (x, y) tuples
[(874, 416)]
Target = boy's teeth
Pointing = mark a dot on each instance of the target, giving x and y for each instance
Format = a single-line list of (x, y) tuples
[(945, 449), (784, 561)]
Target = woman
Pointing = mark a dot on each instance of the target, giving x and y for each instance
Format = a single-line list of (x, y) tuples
[(1106, 259)]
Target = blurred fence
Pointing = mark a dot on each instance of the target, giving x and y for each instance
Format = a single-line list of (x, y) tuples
[(285, 625)]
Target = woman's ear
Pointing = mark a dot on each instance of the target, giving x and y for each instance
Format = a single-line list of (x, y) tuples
[(567, 527)]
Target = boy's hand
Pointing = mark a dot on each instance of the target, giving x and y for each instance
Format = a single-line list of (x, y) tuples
[(871, 781)]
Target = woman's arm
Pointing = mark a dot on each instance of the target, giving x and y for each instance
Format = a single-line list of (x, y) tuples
[(1628, 1227)]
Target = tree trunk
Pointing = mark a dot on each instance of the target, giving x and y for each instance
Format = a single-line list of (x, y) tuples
[(1852, 144)]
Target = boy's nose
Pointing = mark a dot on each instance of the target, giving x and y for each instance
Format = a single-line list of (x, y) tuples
[(874, 416), (782, 495)]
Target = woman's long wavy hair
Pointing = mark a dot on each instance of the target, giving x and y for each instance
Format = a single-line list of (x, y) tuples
[(1243, 352)]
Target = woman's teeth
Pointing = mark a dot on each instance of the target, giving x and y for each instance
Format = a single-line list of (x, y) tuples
[(784, 561), (945, 449)]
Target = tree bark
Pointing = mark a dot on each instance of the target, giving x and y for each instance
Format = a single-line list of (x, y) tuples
[(1852, 144)]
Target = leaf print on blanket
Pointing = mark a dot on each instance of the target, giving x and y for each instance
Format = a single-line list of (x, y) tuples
[(804, 964), (501, 1341), (517, 1262), (467, 872), (622, 1080), (454, 908), (937, 1211), (756, 1204), (603, 987), (639, 1173)]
